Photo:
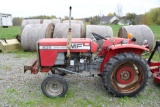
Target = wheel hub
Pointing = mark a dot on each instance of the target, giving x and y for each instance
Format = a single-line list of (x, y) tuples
[(125, 75), (54, 88)]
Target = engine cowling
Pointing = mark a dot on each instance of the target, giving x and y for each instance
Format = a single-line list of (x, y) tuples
[(50, 47)]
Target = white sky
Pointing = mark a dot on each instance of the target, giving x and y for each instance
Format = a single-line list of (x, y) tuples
[(80, 8)]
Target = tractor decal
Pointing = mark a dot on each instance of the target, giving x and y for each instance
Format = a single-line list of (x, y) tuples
[(73, 46)]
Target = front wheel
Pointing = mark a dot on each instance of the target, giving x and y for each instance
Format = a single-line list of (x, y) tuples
[(54, 86), (125, 74)]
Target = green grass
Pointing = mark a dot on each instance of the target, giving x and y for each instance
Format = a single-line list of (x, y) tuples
[(115, 29), (10, 32), (73, 99), (156, 31)]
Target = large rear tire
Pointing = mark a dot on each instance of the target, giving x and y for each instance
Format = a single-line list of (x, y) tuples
[(54, 86), (125, 74)]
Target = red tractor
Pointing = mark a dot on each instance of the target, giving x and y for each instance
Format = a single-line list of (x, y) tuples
[(122, 69), (117, 61)]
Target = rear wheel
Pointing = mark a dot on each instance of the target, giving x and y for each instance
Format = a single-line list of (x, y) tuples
[(54, 86), (125, 74)]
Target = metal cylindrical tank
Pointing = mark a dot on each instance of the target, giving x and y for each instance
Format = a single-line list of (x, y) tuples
[(61, 30), (140, 32), (78, 22), (30, 21), (105, 31), (46, 21), (33, 32)]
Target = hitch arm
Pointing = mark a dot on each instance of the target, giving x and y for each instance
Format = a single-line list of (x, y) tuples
[(153, 52)]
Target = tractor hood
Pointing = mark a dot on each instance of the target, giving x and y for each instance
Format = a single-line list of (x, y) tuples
[(49, 48), (77, 44)]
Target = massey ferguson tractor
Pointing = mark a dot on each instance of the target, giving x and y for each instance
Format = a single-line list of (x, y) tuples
[(117, 61)]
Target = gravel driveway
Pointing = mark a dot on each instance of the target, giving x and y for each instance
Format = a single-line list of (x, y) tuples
[(23, 89)]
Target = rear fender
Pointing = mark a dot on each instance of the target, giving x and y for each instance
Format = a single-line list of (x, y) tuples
[(117, 49)]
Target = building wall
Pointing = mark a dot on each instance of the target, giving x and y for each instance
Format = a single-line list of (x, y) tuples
[(6, 19)]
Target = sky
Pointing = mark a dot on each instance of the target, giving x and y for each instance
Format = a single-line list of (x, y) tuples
[(80, 8)]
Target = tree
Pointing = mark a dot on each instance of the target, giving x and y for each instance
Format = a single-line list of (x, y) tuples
[(152, 17), (93, 20), (42, 17), (53, 17), (131, 17), (158, 21), (119, 9), (110, 14), (17, 21), (86, 19), (66, 18), (145, 19)]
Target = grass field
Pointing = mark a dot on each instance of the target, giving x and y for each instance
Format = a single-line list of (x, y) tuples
[(156, 31), (97, 95), (10, 33)]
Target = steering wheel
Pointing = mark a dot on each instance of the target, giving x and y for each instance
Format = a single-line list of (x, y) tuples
[(97, 36)]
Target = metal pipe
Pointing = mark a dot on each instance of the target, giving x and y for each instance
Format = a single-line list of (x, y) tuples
[(69, 37), (70, 9), (69, 71)]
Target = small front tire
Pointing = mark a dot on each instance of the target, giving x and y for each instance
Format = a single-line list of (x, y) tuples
[(54, 86)]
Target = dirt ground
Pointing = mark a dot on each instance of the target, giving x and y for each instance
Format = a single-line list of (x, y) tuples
[(23, 89)]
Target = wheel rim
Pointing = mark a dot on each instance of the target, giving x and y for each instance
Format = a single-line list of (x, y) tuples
[(127, 77), (54, 88)]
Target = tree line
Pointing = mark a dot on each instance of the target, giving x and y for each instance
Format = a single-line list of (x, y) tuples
[(152, 17), (17, 20), (149, 18)]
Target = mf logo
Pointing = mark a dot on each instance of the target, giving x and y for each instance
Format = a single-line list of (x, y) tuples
[(76, 46)]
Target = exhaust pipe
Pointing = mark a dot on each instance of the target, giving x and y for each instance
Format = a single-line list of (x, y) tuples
[(70, 10), (69, 37)]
